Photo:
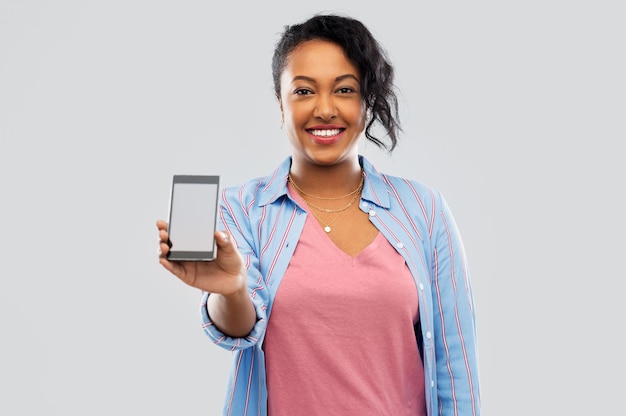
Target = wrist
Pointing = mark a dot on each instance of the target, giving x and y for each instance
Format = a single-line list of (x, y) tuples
[(236, 295)]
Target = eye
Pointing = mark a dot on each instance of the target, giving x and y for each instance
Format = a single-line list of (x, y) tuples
[(303, 91), (346, 90)]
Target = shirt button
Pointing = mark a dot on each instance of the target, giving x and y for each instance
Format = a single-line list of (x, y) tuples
[(399, 244), (432, 383), (365, 205), (421, 286), (372, 213), (429, 335)]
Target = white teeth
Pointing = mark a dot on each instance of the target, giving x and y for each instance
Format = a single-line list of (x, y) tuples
[(325, 133)]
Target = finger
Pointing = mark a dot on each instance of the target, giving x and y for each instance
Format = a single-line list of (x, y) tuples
[(163, 236), (161, 225), (164, 248)]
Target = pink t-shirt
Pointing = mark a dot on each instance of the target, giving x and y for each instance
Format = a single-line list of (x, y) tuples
[(340, 338)]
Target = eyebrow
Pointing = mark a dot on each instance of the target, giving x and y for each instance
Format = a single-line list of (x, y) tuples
[(309, 79)]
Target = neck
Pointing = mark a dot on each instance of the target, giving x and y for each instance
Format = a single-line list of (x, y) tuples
[(325, 180)]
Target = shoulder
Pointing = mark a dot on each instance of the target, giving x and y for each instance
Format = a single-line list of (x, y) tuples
[(392, 190), (259, 191), (413, 197), (402, 184)]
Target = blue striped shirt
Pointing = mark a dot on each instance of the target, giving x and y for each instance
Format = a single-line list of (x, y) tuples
[(266, 225)]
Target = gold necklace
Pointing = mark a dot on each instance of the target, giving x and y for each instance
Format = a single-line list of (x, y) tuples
[(355, 193), (328, 210), (358, 188), (327, 226)]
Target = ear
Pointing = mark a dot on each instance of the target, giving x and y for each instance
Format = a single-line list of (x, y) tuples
[(280, 107), (280, 103), (282, 114)]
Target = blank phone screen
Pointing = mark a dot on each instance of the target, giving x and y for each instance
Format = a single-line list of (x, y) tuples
[(193, 210)]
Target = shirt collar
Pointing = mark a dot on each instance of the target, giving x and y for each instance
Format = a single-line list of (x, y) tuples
[(374, 188)]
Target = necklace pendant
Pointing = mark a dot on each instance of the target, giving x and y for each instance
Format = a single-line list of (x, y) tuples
[(327, 229)]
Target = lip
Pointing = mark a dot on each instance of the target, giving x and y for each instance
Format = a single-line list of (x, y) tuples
[(326, 140)]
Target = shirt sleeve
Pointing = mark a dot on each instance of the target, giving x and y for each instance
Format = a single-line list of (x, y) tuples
[(454, 319), (233, 218)]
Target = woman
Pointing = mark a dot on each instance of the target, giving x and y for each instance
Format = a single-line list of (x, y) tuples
[(342, 291)]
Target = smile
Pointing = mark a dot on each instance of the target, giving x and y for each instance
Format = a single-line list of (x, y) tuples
[(325, 132)]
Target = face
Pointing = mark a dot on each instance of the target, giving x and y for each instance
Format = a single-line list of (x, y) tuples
[(323, 110)]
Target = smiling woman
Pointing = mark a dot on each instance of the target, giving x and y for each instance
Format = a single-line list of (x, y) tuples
[(341, 290), (322, 106)]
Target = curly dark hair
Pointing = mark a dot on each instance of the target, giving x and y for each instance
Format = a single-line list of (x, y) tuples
[(364, 51)]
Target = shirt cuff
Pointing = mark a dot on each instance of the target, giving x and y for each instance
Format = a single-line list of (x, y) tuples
[(233, 343)]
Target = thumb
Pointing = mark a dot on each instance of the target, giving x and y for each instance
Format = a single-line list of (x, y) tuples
[(228, 257), (222, 238), (225, 242)]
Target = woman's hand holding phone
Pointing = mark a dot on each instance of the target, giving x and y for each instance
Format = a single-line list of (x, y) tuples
[(224, 275)]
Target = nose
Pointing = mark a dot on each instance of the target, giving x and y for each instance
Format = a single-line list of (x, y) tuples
[(325, 108)]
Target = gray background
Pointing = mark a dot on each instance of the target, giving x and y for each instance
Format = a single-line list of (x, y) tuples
[(514, 110)]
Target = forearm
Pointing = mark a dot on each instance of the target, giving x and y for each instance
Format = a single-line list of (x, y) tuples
[(234, 314)]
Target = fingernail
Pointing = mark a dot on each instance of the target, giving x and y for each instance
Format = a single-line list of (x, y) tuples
[(223, 236)]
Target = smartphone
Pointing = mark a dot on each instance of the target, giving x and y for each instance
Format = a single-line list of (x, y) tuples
[(193, 217)]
